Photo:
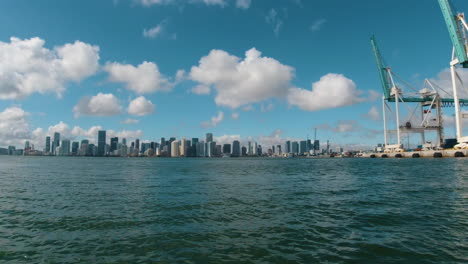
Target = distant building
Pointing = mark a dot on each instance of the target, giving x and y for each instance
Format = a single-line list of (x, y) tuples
[(175, 149), (303, 147), (209, 137), (75, 148), (101, 143), (236, 149), (227, 149), (64, 148), (295, 147), (183, 147), (47, 145), (244, 151), (56, 142), (113, 144), (288, 147)]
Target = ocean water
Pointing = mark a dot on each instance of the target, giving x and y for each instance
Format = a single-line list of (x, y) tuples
[(130, 210)]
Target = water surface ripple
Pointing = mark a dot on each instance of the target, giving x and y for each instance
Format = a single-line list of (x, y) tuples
[(120, 210)]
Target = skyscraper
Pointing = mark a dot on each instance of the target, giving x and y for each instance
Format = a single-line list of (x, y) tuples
[(183, 147), (302, 147), (113, 146), (47, 144), (175, 149), (236, 150), (101, 143), (137, 144), (227, 149), (295, 147), (74, 150), (288, 147), (209, 137), (56, 142)]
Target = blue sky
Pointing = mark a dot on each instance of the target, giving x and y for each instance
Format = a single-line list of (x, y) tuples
[(321, 42)]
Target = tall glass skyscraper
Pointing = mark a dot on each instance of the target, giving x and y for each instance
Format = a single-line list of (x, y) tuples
[(47, 144), (56, 142), (101, 143), (209, 137), (236, 150)]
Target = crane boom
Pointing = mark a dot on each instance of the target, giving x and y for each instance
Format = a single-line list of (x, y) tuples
[(381, 68), (454, 27)]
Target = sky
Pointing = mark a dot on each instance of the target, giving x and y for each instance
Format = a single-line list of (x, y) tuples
[(251, 69)]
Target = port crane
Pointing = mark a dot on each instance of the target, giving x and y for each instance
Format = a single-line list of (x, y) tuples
[(458, 30), (428, 100)]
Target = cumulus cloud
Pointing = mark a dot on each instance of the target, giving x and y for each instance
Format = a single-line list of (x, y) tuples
[(227, 139), (242, 81), (145, 78), (14, 126), (266, 108), (98, 105), (130, 121), (140, 106), (235, 116), (27, 67), (331, 91), (201, 89), (214, 121), (443, 83)]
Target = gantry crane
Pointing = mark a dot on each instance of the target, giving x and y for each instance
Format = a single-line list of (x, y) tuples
[(457, 28), (428, 100)]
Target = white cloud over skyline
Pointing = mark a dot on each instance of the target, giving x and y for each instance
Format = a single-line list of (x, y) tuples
[(98, 105), (27, 67)]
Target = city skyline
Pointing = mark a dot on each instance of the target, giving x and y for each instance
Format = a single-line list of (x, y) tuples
[(172, 147), (140, 69)]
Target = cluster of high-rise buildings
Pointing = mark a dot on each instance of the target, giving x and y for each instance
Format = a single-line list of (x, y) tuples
[(171, 147)]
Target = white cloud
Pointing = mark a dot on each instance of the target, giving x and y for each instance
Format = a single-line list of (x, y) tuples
[(145, 78), (331, 91), (226, 139), (244, 4), (317, 25), (235, 116), (140, 106), (14, 126), (215, 120), (130, 121), (273, 19), (27, 67), (201, 89), (153, 32), (443, 83), (154, 2), (241, 82), (373, 114), (98, 105)]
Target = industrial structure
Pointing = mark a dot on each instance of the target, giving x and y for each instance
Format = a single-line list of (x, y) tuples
[(424, 106)]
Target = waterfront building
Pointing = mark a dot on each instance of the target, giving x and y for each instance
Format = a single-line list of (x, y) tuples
[(209, 137), (255, 149), (249, 149), (175, 149), (295, 147), (244, 151), (101, 143), (183, 147), (210, 149), (218, 151), (288, 147), (64, 148), (278, 150), (227, 149), (201, 149), (56, 142), (303, 147), (124, 141), (47, 145), (236, 150), (113, 144), (137, 144), (74, 149)]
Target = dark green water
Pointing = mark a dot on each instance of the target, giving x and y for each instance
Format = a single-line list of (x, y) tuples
[(118, 210)]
